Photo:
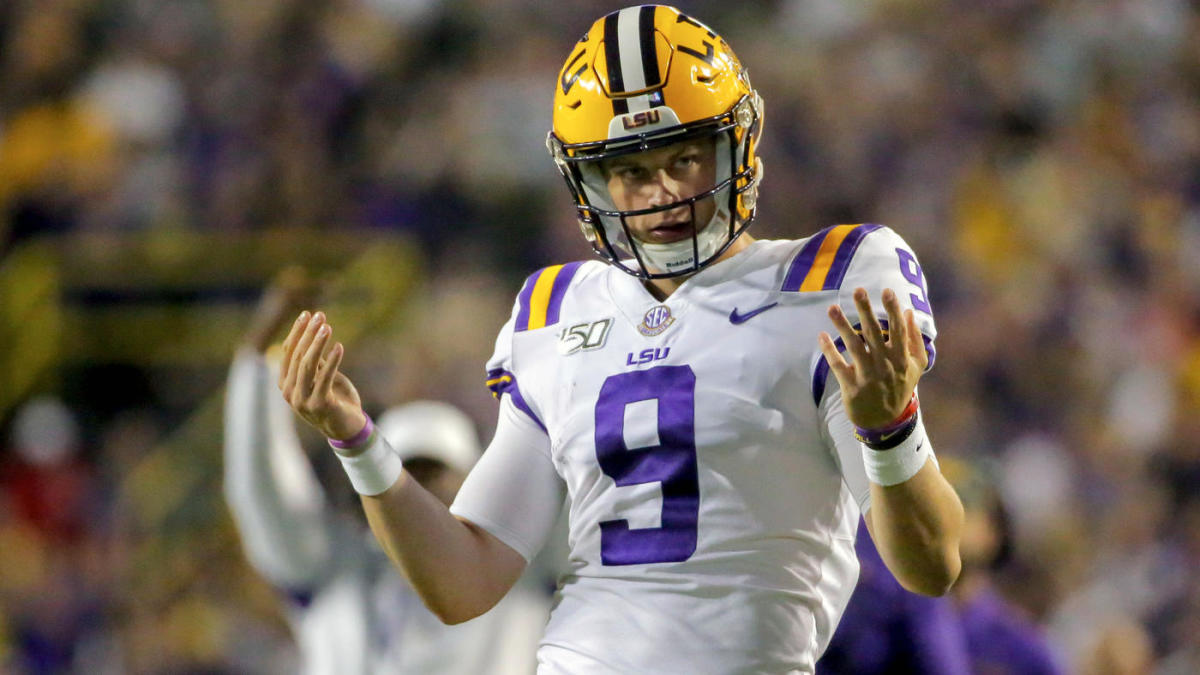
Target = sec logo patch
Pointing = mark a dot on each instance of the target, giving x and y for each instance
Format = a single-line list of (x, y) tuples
[(656, 320)]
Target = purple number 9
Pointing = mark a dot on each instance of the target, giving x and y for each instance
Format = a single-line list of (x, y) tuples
[(672, 463), (912, 272)]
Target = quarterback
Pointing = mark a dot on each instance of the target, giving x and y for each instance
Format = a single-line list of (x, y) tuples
[(714, 442)]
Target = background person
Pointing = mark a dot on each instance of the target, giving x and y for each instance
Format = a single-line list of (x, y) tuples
[(350, 611)]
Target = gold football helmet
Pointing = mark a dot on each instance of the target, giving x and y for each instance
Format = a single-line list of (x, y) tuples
[(643, 78)]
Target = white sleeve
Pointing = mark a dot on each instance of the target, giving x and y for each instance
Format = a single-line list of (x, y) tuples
[(847, 451), (514, 492), (271, 489), (500, 377), (883, 260)]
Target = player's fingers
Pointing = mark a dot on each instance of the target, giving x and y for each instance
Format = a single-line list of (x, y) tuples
[(289, 342), (296, 372), (897, 331), (298, 326), (312, 358), (310, 332), (850, 338), (871, 330), (330, 362), (916, 341), (289, 365), (841, 370)]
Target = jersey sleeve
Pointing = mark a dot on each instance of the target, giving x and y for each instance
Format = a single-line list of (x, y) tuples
[(501, 379), (873, 257), (514, 491), (839, 435), (844, 258)]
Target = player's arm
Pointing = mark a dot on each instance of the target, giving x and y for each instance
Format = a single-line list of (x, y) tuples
[(500, 519), (272, 492), (460, 569), (915, 517)]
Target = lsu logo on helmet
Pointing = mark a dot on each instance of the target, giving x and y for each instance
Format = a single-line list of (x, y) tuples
[(642, 78)]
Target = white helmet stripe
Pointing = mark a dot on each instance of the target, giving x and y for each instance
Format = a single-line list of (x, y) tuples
[(631, 23), (630, 46)]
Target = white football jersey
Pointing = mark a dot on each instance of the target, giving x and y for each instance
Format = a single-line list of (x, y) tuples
[(712, 510)]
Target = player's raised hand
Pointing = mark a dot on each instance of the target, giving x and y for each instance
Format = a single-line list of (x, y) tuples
[(311, 382), (879, 379)]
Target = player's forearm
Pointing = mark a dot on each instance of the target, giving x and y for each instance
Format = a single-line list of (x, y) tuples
[(459, 570), (916, 526)]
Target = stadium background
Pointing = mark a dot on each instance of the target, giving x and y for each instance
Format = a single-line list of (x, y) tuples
[(161, 160)]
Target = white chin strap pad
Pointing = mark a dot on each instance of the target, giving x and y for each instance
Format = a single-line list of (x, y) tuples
[(681, 255)]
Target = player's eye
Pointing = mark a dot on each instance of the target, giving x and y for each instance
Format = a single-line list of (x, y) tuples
[(630, 173)]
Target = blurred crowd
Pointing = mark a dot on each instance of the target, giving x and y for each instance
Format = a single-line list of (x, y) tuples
[(1041, 156)]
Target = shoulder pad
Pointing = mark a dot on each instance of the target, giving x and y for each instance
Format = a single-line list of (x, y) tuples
[(541, 297), (822, 262)]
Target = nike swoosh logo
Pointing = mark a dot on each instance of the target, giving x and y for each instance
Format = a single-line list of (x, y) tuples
[(736, 318)]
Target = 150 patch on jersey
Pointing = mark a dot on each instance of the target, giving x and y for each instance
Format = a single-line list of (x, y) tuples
[(584, 336)]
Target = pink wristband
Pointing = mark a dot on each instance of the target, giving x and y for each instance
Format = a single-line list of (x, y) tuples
[(357, 440)]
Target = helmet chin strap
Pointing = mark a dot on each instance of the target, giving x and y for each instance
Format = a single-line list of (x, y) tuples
[(681, 254)]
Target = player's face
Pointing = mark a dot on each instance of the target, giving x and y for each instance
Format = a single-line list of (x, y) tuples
[(660, 177)]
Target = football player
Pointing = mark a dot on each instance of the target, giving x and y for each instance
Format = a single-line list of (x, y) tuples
[(676, 395)]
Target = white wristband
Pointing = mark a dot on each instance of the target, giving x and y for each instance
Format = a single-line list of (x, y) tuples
[(896, 465), (373, 470)]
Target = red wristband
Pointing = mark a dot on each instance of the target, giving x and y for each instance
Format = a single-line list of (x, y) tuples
[(888, 436), (909, 411)]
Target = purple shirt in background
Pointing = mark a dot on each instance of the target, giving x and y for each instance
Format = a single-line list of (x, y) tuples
[(886, 629), (1001, 641)]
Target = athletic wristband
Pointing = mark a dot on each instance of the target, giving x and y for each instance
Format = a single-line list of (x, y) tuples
[(357, 440), (373, 470), (897, 464), (895, 432)]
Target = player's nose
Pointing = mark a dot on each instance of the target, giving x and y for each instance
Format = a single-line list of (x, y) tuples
[(663, 188)]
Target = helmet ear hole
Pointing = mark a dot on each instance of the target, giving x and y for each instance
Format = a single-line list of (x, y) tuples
[(589, 231)]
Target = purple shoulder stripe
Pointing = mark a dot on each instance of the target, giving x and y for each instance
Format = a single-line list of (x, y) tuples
[(523, 301), (803, 261), (561, 282), (845, 253)]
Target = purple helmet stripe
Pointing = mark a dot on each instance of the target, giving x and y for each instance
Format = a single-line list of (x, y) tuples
[(845, 253), (804, 261)]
